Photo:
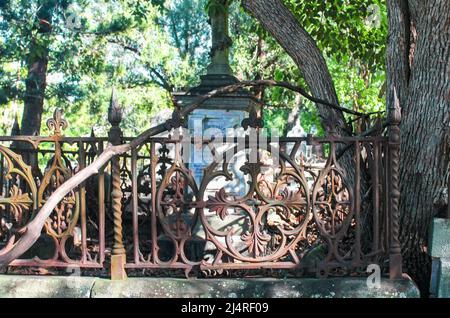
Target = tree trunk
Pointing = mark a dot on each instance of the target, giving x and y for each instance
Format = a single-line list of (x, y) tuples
[(34, 96), (418, 64), (35, 84), (417, 69), (280, 22)]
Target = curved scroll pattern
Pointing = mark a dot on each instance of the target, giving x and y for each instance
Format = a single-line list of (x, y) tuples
[(238, 216), (175, 203), (332, 208), (29, 176), (275, 209), (65, 216), (20, 201), (62, 223)]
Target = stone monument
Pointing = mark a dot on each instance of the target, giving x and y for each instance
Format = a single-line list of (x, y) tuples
[(221, 113)]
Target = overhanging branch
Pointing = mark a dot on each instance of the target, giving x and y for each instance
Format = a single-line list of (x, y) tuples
[(32, 231)]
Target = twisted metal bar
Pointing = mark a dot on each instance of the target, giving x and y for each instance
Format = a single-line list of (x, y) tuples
[(116, 196), (395, 255), (118, 258)]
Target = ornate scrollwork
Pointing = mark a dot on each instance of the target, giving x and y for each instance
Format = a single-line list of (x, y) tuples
[(65, 216), (275, 208), (175, 201), (298, 215), (332, 207), (21, 201)]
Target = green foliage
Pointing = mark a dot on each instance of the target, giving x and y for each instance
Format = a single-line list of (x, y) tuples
[(346, 29), (93, 46), (144, 48), (353, 48)]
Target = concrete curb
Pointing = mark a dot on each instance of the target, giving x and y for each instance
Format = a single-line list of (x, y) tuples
[(14, 286)]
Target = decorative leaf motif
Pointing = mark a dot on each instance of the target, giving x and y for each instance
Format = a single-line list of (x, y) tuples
[(256, 242), (65, 215), (218, 203), (290, 197), (253, 169), (18, 202)]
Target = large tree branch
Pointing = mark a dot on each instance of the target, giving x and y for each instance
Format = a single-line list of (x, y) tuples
[(281, 23), (158, 78), (398, 49), (33, 230)]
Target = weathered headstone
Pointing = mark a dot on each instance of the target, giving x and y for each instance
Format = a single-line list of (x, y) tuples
[(439, 251), (222, 114)]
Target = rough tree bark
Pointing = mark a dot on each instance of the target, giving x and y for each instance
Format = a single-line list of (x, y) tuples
[(34, 96), (281, 23), (418, 68), (36, 82)]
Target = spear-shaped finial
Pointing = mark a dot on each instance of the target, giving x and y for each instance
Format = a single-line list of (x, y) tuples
[(114, 110), (394, 111), (114, 117), (15, 131)]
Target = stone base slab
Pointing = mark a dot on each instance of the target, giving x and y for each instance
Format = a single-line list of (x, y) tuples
[(15, 286)]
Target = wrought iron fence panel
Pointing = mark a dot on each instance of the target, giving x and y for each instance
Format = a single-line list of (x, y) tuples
[(272, 208)]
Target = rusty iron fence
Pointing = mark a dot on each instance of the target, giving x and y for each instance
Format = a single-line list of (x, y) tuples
[(32, 168), (326, 217)]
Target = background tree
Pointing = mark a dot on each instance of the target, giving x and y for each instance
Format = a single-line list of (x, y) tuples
[(148, 48), (89, 47)]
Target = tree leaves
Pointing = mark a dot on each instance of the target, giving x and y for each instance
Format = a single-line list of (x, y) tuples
[(173, 39)]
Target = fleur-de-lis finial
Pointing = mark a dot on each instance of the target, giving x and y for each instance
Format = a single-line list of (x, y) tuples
[(57, 123), (114, 110), (253, 120)]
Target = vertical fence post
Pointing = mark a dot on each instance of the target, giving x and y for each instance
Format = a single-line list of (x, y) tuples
[(118, 258), (395, 255)]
